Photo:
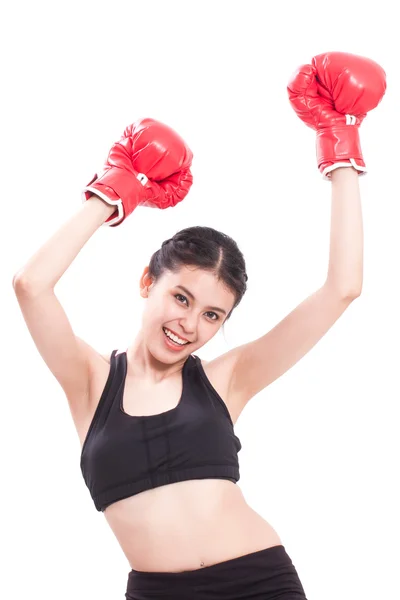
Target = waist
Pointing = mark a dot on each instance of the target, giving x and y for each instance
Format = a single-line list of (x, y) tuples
[(187, 525)]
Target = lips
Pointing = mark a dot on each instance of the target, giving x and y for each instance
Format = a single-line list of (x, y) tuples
[(173, 346)]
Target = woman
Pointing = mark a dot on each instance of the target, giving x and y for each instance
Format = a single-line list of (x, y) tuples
[(156, 423)]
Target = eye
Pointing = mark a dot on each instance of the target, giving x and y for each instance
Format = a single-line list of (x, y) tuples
[(215, 318), (215, 314), (176, 295)]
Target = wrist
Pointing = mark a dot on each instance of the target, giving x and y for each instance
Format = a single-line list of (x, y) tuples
[(341, 173), (100, 206)]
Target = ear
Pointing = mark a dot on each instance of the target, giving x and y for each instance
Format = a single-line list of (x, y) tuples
[(145, 282)]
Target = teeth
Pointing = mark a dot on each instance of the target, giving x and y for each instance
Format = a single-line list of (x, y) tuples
[(174, 337)]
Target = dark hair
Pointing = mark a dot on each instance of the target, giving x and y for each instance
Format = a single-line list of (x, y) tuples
[(207, 249)]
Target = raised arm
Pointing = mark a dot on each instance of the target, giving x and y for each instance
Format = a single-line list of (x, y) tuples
[(148, 166), (332, 96), (68, 357)]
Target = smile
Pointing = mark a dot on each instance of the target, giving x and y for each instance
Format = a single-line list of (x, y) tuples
[(174, 338)]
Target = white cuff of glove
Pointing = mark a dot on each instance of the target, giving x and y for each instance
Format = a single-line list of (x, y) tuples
[(326, 174)]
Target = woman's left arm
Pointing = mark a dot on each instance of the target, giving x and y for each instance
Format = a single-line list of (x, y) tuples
[(253, 366), (332, 95), (345, 269)]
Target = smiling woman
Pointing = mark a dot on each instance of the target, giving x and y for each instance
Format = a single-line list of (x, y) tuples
[(156, 423), (207, 249), (209, 268)]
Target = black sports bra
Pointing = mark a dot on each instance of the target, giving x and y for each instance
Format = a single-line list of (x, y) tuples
[(124, 455)]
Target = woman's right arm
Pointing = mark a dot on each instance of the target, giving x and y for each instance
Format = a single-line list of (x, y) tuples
[(68, 357)]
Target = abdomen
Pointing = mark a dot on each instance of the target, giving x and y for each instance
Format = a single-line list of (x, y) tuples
[(188, 525)]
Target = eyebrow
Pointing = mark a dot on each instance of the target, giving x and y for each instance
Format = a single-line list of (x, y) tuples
[(194, 299)]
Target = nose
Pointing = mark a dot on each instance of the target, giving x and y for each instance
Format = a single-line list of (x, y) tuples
[(188, 324)]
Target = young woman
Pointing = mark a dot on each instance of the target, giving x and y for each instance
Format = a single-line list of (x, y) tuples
[(156, 423)]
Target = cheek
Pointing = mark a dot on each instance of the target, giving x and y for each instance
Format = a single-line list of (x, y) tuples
[(213, 334), (159, 310)]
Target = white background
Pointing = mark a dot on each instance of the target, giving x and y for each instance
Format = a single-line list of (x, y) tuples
[(320, 445)]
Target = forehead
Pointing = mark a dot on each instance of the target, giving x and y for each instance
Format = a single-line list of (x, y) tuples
[(199, 281)]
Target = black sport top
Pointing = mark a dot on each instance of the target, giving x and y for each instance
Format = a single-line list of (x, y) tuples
[(123, 454)]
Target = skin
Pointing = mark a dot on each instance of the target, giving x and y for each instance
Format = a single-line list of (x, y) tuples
[(195, 321)]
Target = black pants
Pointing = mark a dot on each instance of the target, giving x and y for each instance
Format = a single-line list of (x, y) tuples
[(264, 575)]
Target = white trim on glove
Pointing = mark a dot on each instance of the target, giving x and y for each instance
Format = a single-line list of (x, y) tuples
[(326, 174)]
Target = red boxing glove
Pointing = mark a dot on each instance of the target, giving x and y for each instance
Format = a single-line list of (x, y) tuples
[(149, 166), (333, 95)]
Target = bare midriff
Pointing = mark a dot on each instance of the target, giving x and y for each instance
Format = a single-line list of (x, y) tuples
[(187, 526)]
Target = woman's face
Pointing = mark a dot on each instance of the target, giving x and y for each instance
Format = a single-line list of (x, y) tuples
[(192, 303)]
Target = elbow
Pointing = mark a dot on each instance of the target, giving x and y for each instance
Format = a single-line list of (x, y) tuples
[(352, 292), (20, 282), (347, 292), (16, 281)]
